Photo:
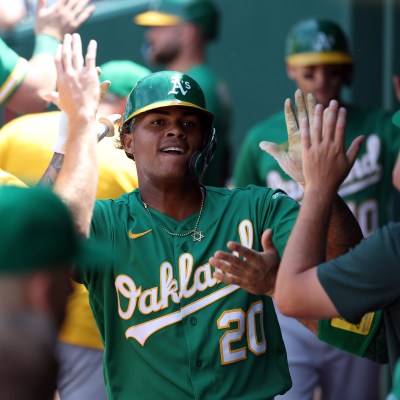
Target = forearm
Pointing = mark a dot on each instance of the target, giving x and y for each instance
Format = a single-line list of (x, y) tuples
[(76, 183), (298, 292), (52, 171), (39, 80), (344, 231)]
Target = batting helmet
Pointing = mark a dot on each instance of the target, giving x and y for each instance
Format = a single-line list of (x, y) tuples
[(174, 12), (315, 41), (171, 88)]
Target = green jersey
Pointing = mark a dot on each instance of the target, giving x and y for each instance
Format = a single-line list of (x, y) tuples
[(171, 330), (367, 189), (368, 279), (13, 69), (219, 103)]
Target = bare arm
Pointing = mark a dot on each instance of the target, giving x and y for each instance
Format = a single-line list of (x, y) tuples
[(78, 87), (324, 225), (51, 24)]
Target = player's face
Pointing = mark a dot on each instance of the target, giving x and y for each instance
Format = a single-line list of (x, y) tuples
[(163, 141), (163, 44), (324, 81)]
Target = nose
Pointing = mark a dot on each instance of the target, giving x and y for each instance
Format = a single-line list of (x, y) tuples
[(320, 77), (176, 130)]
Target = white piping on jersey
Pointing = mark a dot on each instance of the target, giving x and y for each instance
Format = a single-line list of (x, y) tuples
[(13, 79), (143, 331)]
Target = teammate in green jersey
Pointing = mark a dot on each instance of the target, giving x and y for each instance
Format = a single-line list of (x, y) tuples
[(319, 61), (170, 328), (177, 38)]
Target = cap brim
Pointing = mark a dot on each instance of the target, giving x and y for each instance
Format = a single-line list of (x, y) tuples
[(156, 18), (396, 118), (313, 58)]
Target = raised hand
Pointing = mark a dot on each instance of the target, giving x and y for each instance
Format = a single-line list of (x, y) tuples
[(252, 270), (288, 155), (62, 17), (325, 161)]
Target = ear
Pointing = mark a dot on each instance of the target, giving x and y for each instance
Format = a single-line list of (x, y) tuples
[(291, 72), (38, 292), (128, 143), (190, 34)]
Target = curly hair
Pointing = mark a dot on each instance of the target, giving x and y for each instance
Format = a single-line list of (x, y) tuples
[(124, 129)]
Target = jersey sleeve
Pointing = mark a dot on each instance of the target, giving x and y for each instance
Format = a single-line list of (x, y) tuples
[(280, 213), (369, 267), (12, 71)]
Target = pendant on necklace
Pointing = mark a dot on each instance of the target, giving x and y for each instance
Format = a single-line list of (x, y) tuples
[(197, 236)]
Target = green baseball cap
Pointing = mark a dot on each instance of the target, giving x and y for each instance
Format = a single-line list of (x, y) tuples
[(164, 89), (123, 75), (314, 41), (175, 12), (37, 234)]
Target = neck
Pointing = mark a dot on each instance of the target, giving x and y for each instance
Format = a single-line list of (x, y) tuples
[(178, 203), (187, 60)]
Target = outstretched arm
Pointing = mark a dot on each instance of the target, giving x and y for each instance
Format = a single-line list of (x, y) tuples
[(78, 87), (318, 228), (51, 24)]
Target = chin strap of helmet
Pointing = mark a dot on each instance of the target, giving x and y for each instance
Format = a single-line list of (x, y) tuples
[(201, 159)]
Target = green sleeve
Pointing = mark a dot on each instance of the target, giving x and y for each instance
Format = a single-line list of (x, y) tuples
[(366, 339)]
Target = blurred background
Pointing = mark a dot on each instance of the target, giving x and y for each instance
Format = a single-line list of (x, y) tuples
[(249, 52)]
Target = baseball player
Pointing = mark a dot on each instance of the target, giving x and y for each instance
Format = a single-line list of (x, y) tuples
[(177, 37), (319, 61), (170, 328)]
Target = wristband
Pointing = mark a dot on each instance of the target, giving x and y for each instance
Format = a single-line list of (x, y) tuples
[(45, 44)]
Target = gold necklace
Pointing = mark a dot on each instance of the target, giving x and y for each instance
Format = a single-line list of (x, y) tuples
[(196, 235)]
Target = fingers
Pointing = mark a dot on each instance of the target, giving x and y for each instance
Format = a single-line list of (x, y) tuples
[(271, 148), (319, 116), (90, 58), (77, 57), (291, 123), (66, 53), (104, 86), (330, 124), (311, 103), (300, 105), (354, 149), (266, 241)]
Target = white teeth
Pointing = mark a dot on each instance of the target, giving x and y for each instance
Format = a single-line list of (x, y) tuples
[(177, 149)]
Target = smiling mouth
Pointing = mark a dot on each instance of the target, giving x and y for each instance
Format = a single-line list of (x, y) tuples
[(173, 150)]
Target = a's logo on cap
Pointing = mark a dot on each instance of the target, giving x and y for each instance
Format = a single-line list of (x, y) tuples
[(324, 42), (179, 85)]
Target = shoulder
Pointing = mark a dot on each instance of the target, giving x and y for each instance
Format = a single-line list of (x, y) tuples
[(250, 193)]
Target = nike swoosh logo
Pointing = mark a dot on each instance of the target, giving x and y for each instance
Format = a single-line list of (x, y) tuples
[(138, 235)]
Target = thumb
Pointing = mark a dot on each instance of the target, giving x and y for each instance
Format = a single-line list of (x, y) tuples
[(271, 148), (354, 149), (54, 97), (266, 241)]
